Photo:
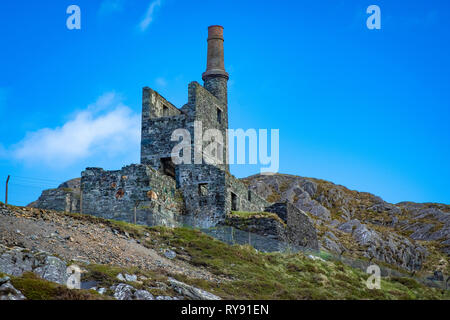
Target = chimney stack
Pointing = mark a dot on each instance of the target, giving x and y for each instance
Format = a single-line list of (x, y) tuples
[(215, 77)]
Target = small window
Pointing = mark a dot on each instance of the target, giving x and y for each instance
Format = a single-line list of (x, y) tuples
[(234, 202), (249, 195), (168, 167), (219, 115), (203, 189), (165, 111)]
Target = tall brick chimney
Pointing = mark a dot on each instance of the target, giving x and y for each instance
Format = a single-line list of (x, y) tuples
[(215, 77)]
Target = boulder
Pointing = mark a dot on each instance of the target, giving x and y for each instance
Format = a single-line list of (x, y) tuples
[(169, 254), (53, 269), (124, 291), (191, 292), (8, 292), (16, 261)]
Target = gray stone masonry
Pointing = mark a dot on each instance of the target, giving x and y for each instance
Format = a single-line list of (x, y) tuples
[(160, 192), (116, 194), (300, 229)]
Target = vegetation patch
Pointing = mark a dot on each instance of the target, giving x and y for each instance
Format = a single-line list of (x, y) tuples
[(246, 273), (35, 288), (255, 215), (256, 275)]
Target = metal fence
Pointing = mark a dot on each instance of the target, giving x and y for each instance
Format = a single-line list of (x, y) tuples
[(261, 243)]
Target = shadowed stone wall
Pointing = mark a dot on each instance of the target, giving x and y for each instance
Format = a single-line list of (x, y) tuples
[(300, 229), (115, 194)]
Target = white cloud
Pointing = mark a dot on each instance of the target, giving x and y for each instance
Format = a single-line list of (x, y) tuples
[(106, 128), (148, 18), (110, 6), (161, 82)]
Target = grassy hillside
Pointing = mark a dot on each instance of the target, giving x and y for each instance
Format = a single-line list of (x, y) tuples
[(255, 275)]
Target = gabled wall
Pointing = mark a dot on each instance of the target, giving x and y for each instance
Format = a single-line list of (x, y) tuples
[(157, 129)]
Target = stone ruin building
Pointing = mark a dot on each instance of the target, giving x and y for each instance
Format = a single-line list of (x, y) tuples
[(159, 192)]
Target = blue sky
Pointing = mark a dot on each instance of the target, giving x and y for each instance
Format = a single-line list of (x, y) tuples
[(368, 109)]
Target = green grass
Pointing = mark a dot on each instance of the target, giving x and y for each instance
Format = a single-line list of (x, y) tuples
[(255, 275), (34, 288), (106, 276), (248, 274), (251, 215)]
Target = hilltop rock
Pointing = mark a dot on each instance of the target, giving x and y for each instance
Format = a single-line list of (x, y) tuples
[(427, 221), (359, 223), (64, 198)]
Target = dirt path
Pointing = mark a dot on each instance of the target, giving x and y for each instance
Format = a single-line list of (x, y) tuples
[(74, 239)]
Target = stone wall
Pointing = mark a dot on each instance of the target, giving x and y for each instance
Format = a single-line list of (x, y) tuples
[(203, 188), (246, 200), (300, 229), (157, 129), (203, 107), (116, 194), (204, 185), (296, 230), (264, 226), (218, 87), (64, 198)]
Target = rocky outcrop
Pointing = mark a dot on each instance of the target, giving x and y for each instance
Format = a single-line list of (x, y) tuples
[(64, 198), (298, 192), (16, 261), (124, 291), (427, 222), (7, 290), (192, 292), (392, 248), (361, 224)]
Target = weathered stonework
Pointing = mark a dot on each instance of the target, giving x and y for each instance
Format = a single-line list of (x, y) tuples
[(160, 192), (264, 226), (118, 194), (64, 198), (300, 229)]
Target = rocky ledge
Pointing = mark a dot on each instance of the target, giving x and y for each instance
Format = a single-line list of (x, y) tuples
[(361, 225)]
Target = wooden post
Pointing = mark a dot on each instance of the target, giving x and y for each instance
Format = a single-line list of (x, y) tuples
[(6, 190), (135, 214), (81, 199)]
